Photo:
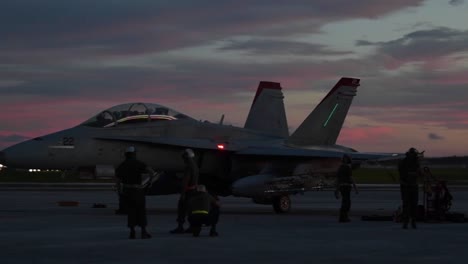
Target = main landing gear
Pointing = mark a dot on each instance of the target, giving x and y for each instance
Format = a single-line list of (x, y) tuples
[(282, 204)]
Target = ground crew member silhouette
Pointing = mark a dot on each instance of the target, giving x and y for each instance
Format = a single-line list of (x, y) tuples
[(344, 182), (188, 188), (129, 172), (203, 209), (409, 170)]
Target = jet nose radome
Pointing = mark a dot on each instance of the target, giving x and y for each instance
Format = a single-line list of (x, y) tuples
[(2, 158)]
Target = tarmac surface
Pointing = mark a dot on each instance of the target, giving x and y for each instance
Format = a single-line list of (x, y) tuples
[(34, 229)]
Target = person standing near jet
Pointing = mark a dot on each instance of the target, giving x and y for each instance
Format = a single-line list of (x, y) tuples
[(203, 209), (409, 170), (129, 172), (344, 181), (188, 188), (122, 201)]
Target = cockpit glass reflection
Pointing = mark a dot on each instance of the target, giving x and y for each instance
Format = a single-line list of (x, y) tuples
[(126, 114)]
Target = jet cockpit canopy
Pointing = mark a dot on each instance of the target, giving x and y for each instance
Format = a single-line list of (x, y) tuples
[(133, 113)]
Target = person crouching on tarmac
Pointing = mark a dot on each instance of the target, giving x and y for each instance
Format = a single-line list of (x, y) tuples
[(344, 181), (203, 210), (188, 188), (129, 172)]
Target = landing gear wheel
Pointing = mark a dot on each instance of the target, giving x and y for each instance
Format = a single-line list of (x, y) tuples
[(282, 204)]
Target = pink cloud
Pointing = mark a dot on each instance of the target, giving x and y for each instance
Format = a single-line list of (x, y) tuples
[(356, 135), (452, 79)]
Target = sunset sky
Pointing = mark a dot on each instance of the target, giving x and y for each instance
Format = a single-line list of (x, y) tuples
[(62, 62)]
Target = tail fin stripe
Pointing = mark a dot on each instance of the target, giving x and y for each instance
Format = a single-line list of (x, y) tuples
[(331, 114)]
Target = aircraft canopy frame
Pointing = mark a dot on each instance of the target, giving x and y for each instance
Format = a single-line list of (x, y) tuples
[(131, 113)]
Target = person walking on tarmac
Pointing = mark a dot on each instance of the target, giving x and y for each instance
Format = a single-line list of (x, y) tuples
[(129, 172), (203, 209), (409, 170), (344, 181), (188, 188)]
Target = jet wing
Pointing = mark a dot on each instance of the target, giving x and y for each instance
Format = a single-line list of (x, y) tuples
[(173, 142), (239, 150), (313, 153), (289, 152), (212, 145), (362, 156)]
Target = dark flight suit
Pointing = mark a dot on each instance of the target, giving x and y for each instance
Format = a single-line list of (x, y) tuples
[(344, 182), (203, 210), (130, 174), (122, 201), (409, 172), (188, 188)]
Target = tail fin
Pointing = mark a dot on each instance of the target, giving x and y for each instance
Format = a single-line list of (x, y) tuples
[(323, 125), (267, 112)]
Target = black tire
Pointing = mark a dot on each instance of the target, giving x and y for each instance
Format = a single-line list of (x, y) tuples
[(282, 204)]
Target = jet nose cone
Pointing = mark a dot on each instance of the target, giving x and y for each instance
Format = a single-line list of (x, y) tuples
[(2, 158)]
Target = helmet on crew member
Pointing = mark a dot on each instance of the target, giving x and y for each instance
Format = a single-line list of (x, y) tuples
[(130, 152), (347, 159), (130, 149), (412, 152), (201, 188), (188, 153)]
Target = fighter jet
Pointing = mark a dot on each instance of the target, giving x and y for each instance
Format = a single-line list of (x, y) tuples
[(260, 161)]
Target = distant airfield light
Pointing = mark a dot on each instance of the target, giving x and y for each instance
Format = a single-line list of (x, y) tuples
[(1, 166), (220, 146)]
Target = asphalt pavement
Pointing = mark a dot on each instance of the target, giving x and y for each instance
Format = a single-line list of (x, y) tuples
[(35, 229)]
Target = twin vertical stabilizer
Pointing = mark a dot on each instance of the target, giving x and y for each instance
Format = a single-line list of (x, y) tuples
[(267, 112), (323, 125)]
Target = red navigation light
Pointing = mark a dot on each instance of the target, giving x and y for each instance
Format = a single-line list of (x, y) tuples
[(220, 146)]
